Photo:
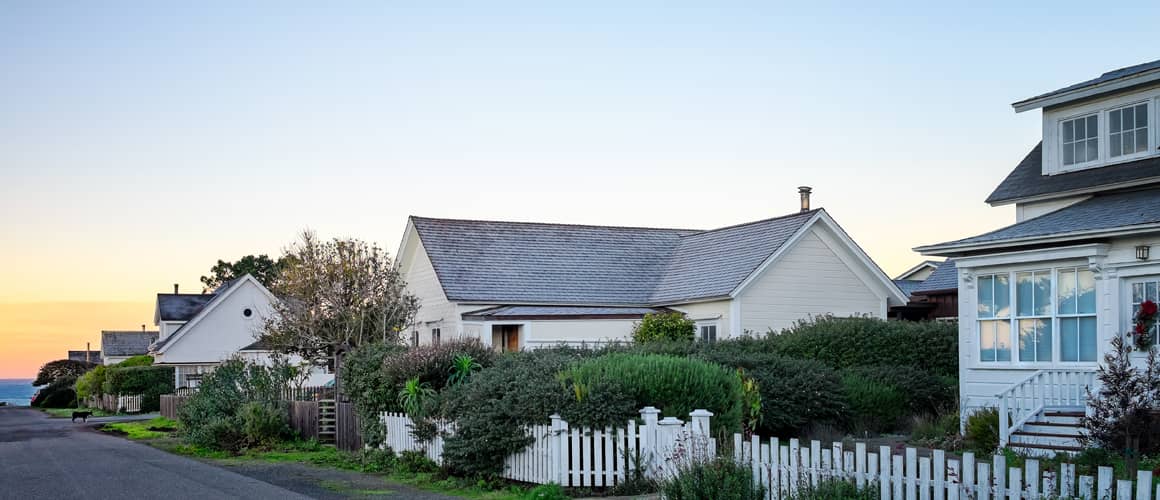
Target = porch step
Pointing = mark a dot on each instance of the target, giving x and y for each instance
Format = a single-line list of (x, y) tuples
[(1064, 413), (1045, 447), (1052, 429)]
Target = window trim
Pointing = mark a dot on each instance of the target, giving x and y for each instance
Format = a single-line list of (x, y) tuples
[(1128, 315), (1149, 125), (716, 324), (1100, 142), (1053, 130), (436, 336)]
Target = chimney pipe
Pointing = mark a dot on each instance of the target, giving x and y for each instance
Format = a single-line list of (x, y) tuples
[(88, 349), (175, 288), (142, 328), (804, 191)]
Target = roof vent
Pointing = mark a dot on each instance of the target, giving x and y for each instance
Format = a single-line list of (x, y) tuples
[(175, 287), (804, 191)]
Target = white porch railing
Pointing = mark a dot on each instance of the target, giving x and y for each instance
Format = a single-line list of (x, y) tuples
[(1045, 388)]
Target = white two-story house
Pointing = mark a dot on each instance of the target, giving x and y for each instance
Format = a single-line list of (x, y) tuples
[(1039, 300)]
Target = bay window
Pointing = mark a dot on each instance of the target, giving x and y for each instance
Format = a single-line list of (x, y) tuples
[(1053, 318)]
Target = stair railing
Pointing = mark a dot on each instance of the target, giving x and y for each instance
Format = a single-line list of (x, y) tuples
[(1028, 398)]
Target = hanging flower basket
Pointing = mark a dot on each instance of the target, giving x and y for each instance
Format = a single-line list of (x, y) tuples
[(1145, 320)]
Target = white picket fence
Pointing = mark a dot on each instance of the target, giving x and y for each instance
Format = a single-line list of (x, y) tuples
[(785, 469), (579, 457), (115, 403)]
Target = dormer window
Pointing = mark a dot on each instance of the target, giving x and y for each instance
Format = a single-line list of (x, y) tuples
[(1128, 130), (1081, 142)]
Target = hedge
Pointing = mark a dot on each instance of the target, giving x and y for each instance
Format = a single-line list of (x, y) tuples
[(148, 381), (931, 346)]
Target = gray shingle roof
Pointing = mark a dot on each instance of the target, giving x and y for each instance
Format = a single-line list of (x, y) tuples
[(945, 277), (535, 263), (1104, 78), (1101, 212), (93, 356), (181, 307), (560, 311), (907, 286), (126, 343), (1027, 180)]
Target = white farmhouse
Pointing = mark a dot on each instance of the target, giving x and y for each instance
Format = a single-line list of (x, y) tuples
[(1039, 300), (517, 285)]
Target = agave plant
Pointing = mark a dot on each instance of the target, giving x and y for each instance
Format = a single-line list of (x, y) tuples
[(413, 396), (461, 369)]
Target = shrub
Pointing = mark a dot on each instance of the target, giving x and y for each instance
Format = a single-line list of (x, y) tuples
[(551, 491), (61, 369), (92, 383), (366, 384), (837, 490), (492, 408), (664, 327), (706, 480), (148, 381), (874, 406), (795, 393), (676, 386), (935, 430), (415, 462), (924, 393), (982, 429), (263, 424), (58, 394), (217, 415), (433, 365), (931, 346), (142, 360)]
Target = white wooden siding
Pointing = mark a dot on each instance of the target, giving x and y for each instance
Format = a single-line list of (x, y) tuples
[(547, 333), (704, 311), (1024, 211), (435, 311), (223, 330), (810, 279)]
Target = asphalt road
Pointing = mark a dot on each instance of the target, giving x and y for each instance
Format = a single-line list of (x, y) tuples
[(49, 458)]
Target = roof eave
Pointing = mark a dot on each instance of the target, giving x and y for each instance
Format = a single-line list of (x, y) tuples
[(1057, 98), (1074, 192), (953, 250)]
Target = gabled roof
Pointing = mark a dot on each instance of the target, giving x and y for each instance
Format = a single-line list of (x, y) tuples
[(558, 264), (219, 296), (905, 276), (182, 306), (126, 343), (560, 312), (946, 277), (1027, 180), (1110, 81), (1099, 216)]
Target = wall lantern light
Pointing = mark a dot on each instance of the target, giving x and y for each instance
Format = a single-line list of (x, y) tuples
[(1142, 252)]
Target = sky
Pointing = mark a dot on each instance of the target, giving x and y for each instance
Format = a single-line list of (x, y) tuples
[(141, 142)]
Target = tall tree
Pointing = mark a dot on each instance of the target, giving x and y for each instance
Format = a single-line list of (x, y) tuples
[(336, 295), (261, 267), (61, 369)]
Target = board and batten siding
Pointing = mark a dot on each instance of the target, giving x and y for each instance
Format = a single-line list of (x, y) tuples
[(810, 279), (435, 311)]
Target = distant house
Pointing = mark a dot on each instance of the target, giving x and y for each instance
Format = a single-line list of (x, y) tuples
[(199, 331), (932, 290), (517, 285), (88, 356), (117, 346), (1041, 299)]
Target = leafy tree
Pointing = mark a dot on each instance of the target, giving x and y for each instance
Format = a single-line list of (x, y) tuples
[(261, 267), (664, 327), (337, 295), (1121, 412), (61, 369)]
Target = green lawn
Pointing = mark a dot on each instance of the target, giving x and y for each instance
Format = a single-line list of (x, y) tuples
[(67, 412), (156, 428)]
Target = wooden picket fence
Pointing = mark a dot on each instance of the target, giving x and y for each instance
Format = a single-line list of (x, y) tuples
[(575, 457), (171, 403), (785, 469), (115, 403)]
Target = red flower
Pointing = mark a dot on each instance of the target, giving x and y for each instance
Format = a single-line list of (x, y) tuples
[(1139, 328), (1148, 308)]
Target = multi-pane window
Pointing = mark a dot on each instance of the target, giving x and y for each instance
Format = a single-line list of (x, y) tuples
[(1127, 130), (1144, 290), (1080, 140), (1033, 315), (436, 336), (1076, 293), (415, 339), (994, 318), (708, 333)]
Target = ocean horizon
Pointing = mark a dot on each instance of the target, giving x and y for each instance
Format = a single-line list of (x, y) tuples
[(16, 391)]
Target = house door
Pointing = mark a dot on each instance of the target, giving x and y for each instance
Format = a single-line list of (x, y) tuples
[(506, 338), (1141, 290)]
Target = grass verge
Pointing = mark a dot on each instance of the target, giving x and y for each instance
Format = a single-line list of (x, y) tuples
[(156, 428), (67, 412)]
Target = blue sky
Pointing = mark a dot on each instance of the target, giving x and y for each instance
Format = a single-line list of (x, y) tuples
[(141, 142)]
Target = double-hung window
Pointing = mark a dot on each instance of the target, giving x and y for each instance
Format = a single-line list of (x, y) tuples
[(1080, 140), (1033, 315), (994, 318), (1144, 290), (436, 336), (708, 332), (1076, 293), (1128, 130)]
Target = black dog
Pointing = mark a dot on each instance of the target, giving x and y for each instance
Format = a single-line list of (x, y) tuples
[(83, 415)]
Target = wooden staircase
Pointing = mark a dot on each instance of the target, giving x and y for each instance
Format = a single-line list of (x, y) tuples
[(1052, 431), (327, 421)]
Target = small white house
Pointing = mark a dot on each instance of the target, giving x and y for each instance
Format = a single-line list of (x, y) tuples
[(517, 285), (119, 345), (199, 331), (1040, 300)]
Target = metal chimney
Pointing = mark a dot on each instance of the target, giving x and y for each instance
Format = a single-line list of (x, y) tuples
[(804, 191), (175, 288)]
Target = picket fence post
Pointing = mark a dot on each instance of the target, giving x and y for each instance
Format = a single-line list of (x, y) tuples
[(648, 439)]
